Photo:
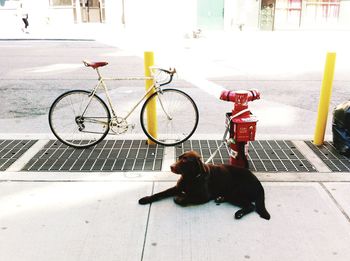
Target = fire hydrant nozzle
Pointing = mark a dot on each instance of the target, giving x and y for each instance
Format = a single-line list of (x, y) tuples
[(227, 95)]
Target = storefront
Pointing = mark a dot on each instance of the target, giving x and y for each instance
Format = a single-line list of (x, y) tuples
[(304, 14), (81, 11), (189, 15)]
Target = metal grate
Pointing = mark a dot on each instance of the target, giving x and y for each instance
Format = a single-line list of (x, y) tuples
[(206, 148), (330, 156), (108, 155), (264, 155), (11, 150)]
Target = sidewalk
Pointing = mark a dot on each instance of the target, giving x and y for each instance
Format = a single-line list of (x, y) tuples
[(41, 31), (95, 216), (101, 220), (71, 215)]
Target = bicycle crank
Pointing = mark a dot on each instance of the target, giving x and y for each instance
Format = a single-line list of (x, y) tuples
[(120, 125)]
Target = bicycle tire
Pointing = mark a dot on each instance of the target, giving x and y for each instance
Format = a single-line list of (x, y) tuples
[(74, 129), (184, 117)]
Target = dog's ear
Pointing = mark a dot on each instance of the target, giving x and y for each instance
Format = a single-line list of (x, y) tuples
[(200, 165)]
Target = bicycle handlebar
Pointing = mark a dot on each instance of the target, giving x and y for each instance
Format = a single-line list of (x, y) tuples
[(170, 72)]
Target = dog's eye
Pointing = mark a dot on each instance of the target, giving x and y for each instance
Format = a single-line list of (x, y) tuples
[(187, 159)]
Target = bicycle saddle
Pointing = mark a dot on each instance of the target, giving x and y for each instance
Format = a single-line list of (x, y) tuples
[(94, 64)]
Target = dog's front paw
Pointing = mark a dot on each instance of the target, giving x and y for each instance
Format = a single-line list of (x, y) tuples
[(219, 200), (239, 214), (180, 200), (145, 200)]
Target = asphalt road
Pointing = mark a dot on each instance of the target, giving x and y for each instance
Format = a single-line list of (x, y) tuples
[(34, 73)]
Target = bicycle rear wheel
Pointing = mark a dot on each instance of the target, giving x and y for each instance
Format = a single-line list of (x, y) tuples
[(79, 119), (177, 117)]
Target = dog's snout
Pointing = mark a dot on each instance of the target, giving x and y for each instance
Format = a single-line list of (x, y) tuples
[(174, 169)]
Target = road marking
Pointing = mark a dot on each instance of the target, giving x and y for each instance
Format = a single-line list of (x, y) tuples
[(56, 67), (205, 85)]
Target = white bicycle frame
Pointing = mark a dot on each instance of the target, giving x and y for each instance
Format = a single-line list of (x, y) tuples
[(155, 87)]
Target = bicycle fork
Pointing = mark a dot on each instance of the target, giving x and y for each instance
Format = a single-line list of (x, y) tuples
[(161, 105)]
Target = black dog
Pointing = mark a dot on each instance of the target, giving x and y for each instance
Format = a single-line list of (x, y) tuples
[(200, 183)]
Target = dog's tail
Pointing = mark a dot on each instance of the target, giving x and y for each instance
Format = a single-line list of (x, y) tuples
[(261, 209)]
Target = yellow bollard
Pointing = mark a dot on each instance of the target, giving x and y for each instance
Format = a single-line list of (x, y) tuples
[(152, 107), (325, 98)]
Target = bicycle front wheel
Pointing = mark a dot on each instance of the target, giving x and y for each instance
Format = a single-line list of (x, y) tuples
[(79, 119), (176, 114)]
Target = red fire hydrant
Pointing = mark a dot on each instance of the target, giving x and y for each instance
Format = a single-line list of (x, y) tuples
[(241, 124)]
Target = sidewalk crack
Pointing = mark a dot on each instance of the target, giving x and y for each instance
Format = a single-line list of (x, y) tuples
[(147, 222), (336, 202)]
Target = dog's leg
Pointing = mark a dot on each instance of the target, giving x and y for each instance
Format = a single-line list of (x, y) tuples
[(218, 200), (186, 202), (261, 209), (183, 200), (246, 207), (244, 211), (158, 196)]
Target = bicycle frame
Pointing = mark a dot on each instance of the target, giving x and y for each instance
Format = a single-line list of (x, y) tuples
[(102, 85)]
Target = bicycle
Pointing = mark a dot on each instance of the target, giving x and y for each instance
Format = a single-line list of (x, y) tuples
[(80, 118)]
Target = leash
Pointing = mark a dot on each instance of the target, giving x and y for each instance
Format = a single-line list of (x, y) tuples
[(224, 140)]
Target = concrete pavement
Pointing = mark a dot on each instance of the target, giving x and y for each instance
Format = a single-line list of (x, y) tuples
[(95, 216), (91, 220)]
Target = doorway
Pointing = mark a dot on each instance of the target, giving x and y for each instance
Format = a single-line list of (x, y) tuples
[(92, 11), (267, 15)]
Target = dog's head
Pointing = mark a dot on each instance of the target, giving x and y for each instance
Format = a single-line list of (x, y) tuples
[(188, 165)]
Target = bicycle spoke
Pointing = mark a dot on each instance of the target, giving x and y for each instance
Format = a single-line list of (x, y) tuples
[(177, 117), (70, 125), (163, 108)]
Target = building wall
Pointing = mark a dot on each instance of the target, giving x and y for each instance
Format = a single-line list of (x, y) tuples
[(114, 13), (8, 12), (241, 15), (60, 15), (165, 16), (161, 15), (344, 15), (38, 11)]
